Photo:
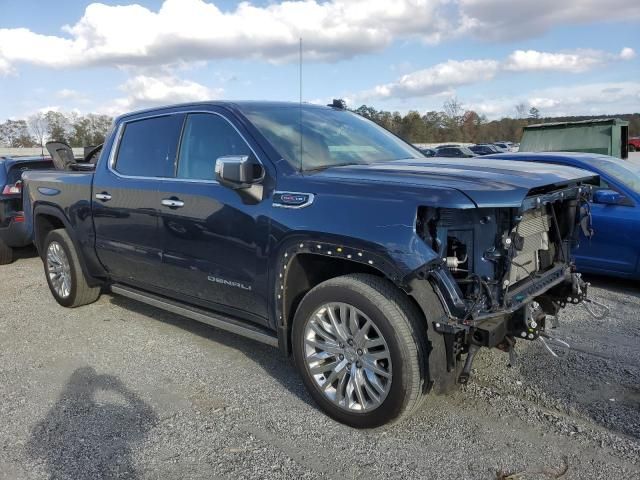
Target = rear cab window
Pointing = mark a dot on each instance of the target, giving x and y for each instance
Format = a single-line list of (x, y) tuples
[(148, 147)]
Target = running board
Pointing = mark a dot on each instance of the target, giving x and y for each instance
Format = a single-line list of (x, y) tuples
[(194, 313)]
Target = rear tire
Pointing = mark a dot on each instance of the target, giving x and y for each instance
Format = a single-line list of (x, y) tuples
[(6, 253), (632, 148), (64, 274), (391, 385)]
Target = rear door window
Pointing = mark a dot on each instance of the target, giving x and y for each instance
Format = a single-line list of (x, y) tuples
[(148, 147), (206, 138)]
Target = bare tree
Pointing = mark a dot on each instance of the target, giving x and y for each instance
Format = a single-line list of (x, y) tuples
[(521, 110), (454, 109), (38, 126)]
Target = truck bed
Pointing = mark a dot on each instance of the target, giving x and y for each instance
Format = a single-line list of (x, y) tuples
[(68, 191)]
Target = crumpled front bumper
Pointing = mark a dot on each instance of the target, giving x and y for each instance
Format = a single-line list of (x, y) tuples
[(550, 292)]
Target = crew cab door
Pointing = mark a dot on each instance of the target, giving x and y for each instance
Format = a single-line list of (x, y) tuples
[(126, 199), (213, 242)]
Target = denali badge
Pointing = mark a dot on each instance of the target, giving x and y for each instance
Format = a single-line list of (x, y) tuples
[(292, 199), (230, 283)]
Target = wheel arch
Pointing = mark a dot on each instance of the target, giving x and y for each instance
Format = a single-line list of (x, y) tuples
[(302, 264), (47, 218)]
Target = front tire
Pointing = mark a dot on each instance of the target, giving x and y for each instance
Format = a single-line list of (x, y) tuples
[(64, 274), (6, 253), (360, 349)]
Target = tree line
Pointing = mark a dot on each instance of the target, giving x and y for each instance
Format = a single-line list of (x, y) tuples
[(35, 131), (453, 123)]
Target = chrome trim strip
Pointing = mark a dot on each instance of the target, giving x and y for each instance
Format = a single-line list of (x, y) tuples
[(116, 144), (309, 201), (197, 314)]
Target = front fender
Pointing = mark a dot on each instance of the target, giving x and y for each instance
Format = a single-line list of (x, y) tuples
[(346, 249), (357, 223)]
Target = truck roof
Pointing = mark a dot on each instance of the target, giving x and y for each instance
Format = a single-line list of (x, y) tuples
[(222, 103)]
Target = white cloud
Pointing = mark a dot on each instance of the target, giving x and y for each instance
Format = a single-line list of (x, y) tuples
[(443, 78), (144, 91), (575, 62), (531, 60), (587, 99), (5, 67), (192, 30), (627, 53), (185, 31), (508, 19), (440, 78)]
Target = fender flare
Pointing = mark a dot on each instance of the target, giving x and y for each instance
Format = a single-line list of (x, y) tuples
[(54, 211), (349, 250)]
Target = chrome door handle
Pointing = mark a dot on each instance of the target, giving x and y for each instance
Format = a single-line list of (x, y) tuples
[(172, 203), (104, 197)]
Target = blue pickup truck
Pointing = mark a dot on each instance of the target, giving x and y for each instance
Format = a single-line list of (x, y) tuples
[(314, 230)]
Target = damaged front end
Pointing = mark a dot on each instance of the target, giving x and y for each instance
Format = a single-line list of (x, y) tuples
[(505, 272)]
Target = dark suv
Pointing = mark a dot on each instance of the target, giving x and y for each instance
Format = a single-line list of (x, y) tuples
[(314, 230), (457, 151), (13, 230), (483, 149)]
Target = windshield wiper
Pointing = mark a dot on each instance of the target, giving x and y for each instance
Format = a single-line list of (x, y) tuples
[(324, 167)]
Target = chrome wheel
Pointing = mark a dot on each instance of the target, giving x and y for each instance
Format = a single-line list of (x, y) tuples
[(59, 270), (347, 357)]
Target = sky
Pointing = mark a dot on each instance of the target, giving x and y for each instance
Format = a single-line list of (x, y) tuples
[(575, 57)]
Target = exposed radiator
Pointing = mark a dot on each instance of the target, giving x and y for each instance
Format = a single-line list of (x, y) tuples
[(534, 230)]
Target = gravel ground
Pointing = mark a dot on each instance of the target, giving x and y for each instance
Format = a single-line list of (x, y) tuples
[(121, 390)]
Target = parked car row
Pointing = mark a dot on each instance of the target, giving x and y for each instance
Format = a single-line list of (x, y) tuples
[(462, 151)]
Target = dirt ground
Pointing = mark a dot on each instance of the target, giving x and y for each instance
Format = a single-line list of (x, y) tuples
[(121, 390)]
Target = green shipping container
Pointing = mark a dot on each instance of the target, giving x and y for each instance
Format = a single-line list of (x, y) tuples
[(608, 136)]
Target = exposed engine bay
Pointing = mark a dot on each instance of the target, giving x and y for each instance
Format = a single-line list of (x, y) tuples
[(506, 271)]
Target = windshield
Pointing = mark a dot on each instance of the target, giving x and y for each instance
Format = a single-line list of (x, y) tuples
[(626, 174), (329, 137)]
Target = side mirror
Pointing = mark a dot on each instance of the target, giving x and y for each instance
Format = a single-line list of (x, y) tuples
[(238, 171), (608, 197)]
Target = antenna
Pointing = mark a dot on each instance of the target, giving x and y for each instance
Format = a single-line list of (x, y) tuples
[(300, 103)]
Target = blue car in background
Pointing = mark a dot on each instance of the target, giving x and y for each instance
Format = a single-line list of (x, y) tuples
[(615, 247)]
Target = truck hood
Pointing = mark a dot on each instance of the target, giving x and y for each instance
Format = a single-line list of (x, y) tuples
[(488, 183)]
